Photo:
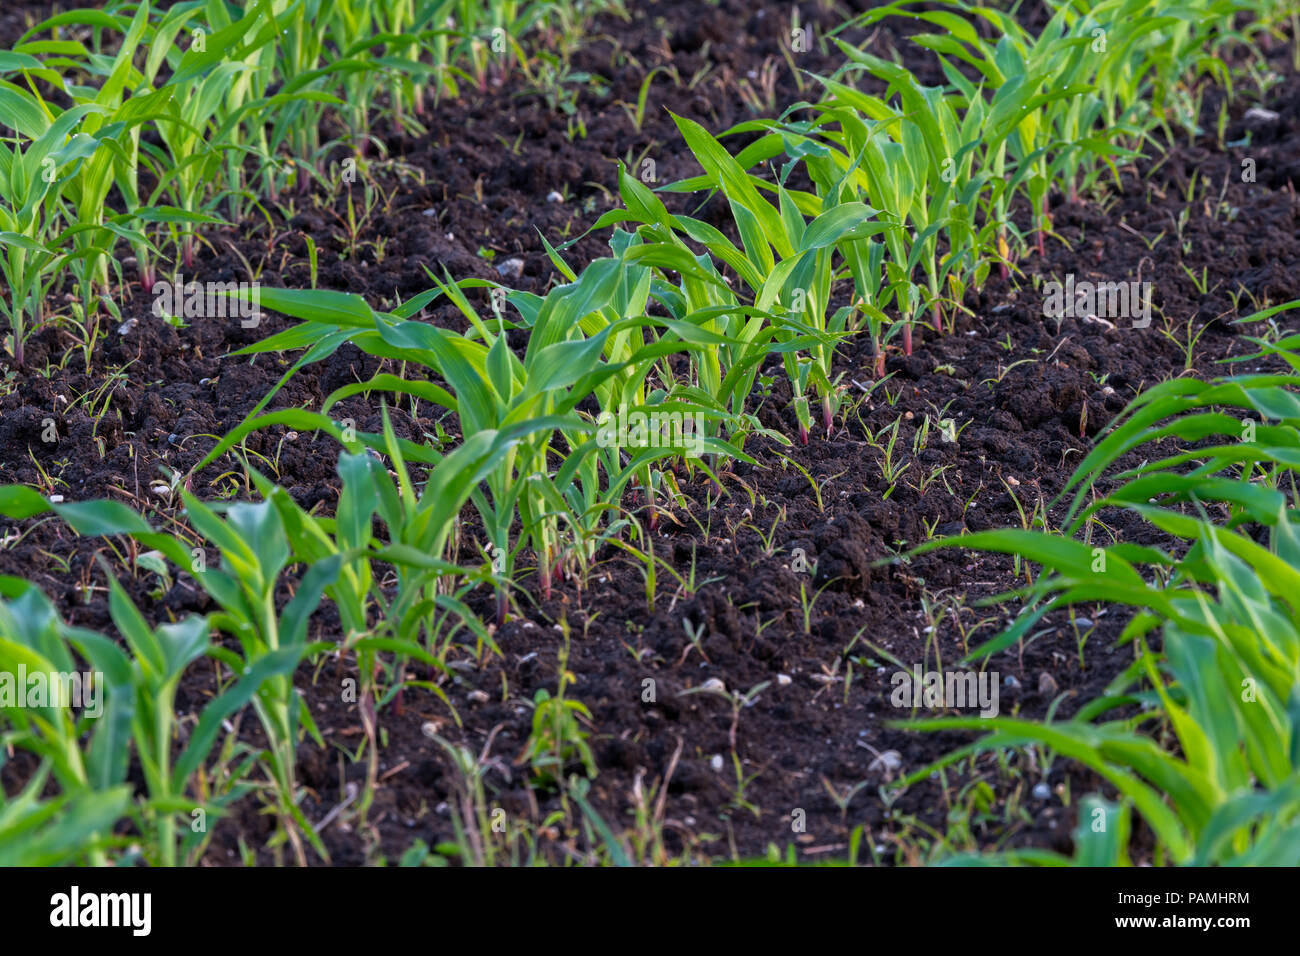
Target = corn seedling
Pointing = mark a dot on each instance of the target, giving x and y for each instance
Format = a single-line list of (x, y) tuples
[(786, 263)]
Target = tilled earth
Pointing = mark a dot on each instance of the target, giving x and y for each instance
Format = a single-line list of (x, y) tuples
[(1028, 395)]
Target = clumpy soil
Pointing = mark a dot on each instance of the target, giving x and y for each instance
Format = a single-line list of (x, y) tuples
[(790, 583)]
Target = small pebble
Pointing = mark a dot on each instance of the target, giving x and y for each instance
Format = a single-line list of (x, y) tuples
[(1042, 791), (512, 268)]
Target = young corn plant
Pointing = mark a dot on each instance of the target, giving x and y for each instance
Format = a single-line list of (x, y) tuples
[(112, 117), (374, 53), (396, 22), (255, 555), (733, 338), (419, 617), (250, 44), (1224, 680), (786, 262), (31, 641), (284, 80), (917, 172), (488, 39), (1033, 78), (915, 164), (426, 609), (66, 830), (197, 132), (133, 693), (301, 62), (644, 385), (34, 251), (1113, 120), (141, 684), (1094, 76), (110, 121), (834, 165), (198, 113)]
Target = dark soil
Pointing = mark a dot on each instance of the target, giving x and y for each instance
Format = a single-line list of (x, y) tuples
[(488, 164)]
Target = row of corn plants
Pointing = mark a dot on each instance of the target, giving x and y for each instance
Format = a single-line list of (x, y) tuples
[(1200, 735), (943, 167), (260, 549), (186, 114)]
